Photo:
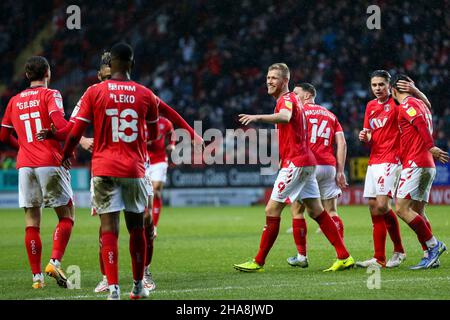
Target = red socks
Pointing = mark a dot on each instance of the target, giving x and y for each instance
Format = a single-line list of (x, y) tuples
[(379, 237), (149, 244), (61, 237), (33, 245), (268, 238), (393, 227), (329, 229), (424, 245), (110, 255), (339, 225), (420, 227), (156, 210), (137, 252), (299, 231)]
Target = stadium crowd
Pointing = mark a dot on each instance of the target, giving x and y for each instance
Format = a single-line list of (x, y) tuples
[(208, 59)]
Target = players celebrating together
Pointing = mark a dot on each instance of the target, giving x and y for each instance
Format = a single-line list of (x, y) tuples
[(129, 166)]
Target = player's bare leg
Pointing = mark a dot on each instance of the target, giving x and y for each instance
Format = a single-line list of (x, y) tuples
[(269, 235), (61, 236), (110, 226), (135, 226), (316, 211), (299, 232), (33, 244), (157, 203), (416, 222), (149, 283)]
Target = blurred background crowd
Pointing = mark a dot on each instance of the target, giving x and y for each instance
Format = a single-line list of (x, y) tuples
[(209, 59)]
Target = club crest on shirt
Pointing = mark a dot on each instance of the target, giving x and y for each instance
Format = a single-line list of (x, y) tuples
[(411, 112), (387, 107)]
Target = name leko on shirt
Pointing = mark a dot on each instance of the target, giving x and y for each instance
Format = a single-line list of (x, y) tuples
[(28, 104), (121, 87), (123, 98)]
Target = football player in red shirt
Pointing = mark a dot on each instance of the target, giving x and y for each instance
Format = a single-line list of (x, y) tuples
[(381, 132), (42, 179), (159, 164), (296, 178), (103, 74), (120, 110), (417, 151), (324, 133)]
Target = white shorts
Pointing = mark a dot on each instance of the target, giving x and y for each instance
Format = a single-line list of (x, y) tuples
[(295, 183), (148, 180), (326, 179), (158, 171), (111, 194), (381, 180), (415, 183), (44, 186)]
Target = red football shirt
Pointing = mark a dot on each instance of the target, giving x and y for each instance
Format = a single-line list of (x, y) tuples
[(293, 136), (322, 129), (27, 113), (157, 148), (413, 152), (118, 111), (381, 119)]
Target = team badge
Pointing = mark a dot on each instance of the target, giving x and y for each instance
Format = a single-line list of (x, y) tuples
[(411, 112), (387, 107), (288, 104)]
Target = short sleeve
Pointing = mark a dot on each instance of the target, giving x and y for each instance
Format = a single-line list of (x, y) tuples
[(6, 121), (54, 102), (85, 113)]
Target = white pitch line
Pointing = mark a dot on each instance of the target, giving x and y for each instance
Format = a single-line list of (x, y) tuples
[(287, 285)]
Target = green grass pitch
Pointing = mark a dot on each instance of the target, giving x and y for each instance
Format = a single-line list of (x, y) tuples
[(197, 247)]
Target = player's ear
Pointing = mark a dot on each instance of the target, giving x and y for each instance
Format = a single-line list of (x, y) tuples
[(99, 76)]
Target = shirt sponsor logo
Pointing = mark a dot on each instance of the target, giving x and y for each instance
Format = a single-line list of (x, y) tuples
[(376, 123), (28, 93)]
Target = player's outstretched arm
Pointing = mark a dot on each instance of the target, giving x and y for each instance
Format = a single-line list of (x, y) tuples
[(7, 138), (178, 121), (410, 87), (284, 116)]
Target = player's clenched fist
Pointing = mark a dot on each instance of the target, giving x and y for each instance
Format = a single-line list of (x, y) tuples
[(364, 135)]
